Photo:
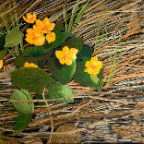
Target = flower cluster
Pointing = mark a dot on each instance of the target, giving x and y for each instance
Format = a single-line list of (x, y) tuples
[(93, 66), (66, 56), (30, 65), (36, 35)]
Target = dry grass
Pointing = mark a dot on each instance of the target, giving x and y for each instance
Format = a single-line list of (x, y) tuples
[(116, 101)]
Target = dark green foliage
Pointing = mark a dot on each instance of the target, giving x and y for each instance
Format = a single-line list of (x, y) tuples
[(19, 61), (86, 51), (62, 73), (32, 79)]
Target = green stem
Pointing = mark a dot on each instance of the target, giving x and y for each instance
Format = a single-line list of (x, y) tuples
[(16, 50), (21, 45)]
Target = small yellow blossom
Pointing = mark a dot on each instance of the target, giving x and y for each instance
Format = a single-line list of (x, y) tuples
[(1, 64), (30, 18), (35, 38), (93, 66), (66, 56), (44, 26), (30, 65), (51, 37)]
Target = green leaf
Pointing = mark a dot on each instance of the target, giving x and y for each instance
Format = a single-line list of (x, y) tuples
[(37, 55), (35, 51), (59, 26), (86, 51), (32, 79), (58, 40), (23, 95), (74, 43), (3, 53), (22, 122), (19, 61), (13, 37), (66, 35), (83, 77), (57, 90), (2, 41), (100, 85), (62, 73)]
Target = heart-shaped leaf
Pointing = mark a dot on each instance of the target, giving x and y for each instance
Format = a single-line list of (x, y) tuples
[(58, 26), (66, 35), (86, 51), (22, 122), (23, 95), (62, 73), (74, 43), (3, 53), (19, 61), (32, 79), (2, 40), (83, 77), (13, 37), (57, 91)]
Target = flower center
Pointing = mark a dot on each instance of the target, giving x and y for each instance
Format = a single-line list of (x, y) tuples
[(65, 56), (93, 66)]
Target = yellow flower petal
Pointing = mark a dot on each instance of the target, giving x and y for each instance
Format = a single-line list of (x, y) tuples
[(30, 31), (62, 61), (73, 56), (51, 37), (46, 21), (95, 58), (26, 64), (1, 64), (59, 54), (99, 64), (39, 23), (68, 62), (39, 41), (96, 71), (30, 18), (73, 50), (88, 64), (65, 49), (30, 41), (51, 26)]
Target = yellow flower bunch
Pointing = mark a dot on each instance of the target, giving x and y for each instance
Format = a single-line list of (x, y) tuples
[(1, 64), (30, 65), (36, 35), (66, 56), (93, 66)]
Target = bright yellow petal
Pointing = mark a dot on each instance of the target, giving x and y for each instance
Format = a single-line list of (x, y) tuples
[(35, 28), (30, 31), (73, 50), (96, 71), (28, 15), (51, 37), (39, 23), (62, 61), (89, 70), (1, 64), (46, 21), (26, 64), (34, 16), (95, 58), (59, 54), (30, 41), (99, 64), (73, 56), (68, 62), (65, 49), (39, 41), (88, 64), (51, 26)]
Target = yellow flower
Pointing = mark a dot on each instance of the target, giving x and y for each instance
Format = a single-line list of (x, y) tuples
[(66, 56), (35, 38), (44, 26), (30, 65), (30, 18), (51, 37), (93, 66), (1, 64)]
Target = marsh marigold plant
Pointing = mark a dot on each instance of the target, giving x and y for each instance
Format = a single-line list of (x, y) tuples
[(66, 56), (36, 35), (93, 66)]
